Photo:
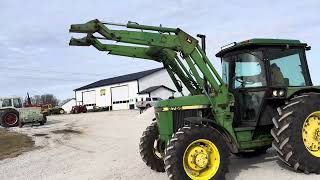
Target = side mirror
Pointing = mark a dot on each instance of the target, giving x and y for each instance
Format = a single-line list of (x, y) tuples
[(308, 48), (286, 81)]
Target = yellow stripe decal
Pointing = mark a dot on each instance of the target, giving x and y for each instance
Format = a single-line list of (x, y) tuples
[(178, 108)]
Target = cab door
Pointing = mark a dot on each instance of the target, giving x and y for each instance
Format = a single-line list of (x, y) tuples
[(248, 83)]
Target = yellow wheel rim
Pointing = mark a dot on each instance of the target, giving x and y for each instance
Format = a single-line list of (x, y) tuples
[(311, 133), (61, 111), (201, 160)]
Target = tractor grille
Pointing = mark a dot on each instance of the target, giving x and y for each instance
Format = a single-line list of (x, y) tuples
[(178, 118)]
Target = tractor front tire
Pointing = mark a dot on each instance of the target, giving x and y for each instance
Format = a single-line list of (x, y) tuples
[(197, 152), (44, 120), (296, 133), (21, 124), (149, 149)]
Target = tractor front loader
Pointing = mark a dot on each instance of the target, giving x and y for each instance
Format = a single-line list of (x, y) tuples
[(264, 98)]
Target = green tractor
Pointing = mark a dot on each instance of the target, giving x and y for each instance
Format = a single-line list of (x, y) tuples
[(264, 98)]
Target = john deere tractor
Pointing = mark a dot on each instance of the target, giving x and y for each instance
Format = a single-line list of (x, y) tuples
[(265, 97)]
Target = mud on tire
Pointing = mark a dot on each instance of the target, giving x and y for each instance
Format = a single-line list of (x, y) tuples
[(147, 149), (180, 141), (287, 133)]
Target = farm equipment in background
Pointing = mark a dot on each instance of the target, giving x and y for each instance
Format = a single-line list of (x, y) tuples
[(264, 98), (13, 113), (50, 110), (78, 109), (146, 103)]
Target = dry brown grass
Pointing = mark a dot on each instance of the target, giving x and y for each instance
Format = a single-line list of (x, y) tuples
[(13, 144)]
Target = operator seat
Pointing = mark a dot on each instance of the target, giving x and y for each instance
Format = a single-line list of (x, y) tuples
[(277, 78)]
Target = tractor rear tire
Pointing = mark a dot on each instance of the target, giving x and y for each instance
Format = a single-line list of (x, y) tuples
[(149, 153), (289, 133), (9, 118), (197, 152)]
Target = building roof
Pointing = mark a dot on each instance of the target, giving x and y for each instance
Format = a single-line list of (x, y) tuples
[(258, 42), (66, 101), (119, 79), (153, 88)]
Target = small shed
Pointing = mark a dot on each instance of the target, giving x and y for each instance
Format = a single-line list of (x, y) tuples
[(158, 91)]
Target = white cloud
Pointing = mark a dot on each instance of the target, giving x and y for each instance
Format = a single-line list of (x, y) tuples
[(35, 34)]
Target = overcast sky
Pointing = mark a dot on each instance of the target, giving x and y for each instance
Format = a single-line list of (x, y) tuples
[(35, 56)]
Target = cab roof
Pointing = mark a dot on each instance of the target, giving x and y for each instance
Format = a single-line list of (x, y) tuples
[(258, 42)]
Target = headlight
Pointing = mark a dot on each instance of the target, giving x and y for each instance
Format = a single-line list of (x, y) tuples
[(278, 93), (281, 93), (275, 93)]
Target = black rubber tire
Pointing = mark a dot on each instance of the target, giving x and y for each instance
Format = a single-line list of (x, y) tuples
[(85, 110), (148, 106), (21, 124), (5, 113), (287, 133), (182, 139), (149, 136), (44, 120)]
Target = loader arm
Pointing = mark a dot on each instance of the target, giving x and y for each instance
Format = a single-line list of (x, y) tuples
[(165, 56), (178, 51)]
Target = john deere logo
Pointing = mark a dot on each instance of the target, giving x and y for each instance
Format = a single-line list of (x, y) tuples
[(102, 92)]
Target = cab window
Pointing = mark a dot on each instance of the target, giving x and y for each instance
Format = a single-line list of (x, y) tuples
[(17, 103), (7, 103), (249, 70), (286, 68), (225, 70)]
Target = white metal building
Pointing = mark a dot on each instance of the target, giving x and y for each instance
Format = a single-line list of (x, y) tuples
[(122, 92)]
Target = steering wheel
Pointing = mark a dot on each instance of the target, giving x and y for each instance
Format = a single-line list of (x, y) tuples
[(243, 82)]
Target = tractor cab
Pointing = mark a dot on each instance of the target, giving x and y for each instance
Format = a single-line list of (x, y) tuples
[(10, 102), (259, 72)]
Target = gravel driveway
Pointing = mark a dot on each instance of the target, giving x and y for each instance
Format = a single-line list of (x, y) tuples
[(105, 146)]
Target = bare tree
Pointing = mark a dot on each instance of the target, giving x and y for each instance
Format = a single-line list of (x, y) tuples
[(44, 99)]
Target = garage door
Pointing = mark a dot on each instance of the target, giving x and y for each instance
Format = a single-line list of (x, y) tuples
[(89, 98), (120, 97)]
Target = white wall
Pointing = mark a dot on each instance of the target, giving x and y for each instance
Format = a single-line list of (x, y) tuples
[(155, 79), (68, 106), (105, 100), (159, 78), (163, 93)]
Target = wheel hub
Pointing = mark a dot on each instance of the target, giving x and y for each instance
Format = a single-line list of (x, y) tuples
[(11, 119), (198, 158), (201, 159), (311, 133)]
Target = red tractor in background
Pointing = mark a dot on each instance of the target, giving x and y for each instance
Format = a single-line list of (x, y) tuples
[(78, 109)]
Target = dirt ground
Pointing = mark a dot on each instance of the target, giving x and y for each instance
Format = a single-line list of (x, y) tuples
[(13, 144), (103, 146)]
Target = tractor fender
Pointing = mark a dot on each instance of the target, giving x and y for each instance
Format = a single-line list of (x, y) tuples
[(200, 121), (9, 109), (306, 90)]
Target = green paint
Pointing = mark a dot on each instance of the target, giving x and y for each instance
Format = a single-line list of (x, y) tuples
[(186, 63)]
